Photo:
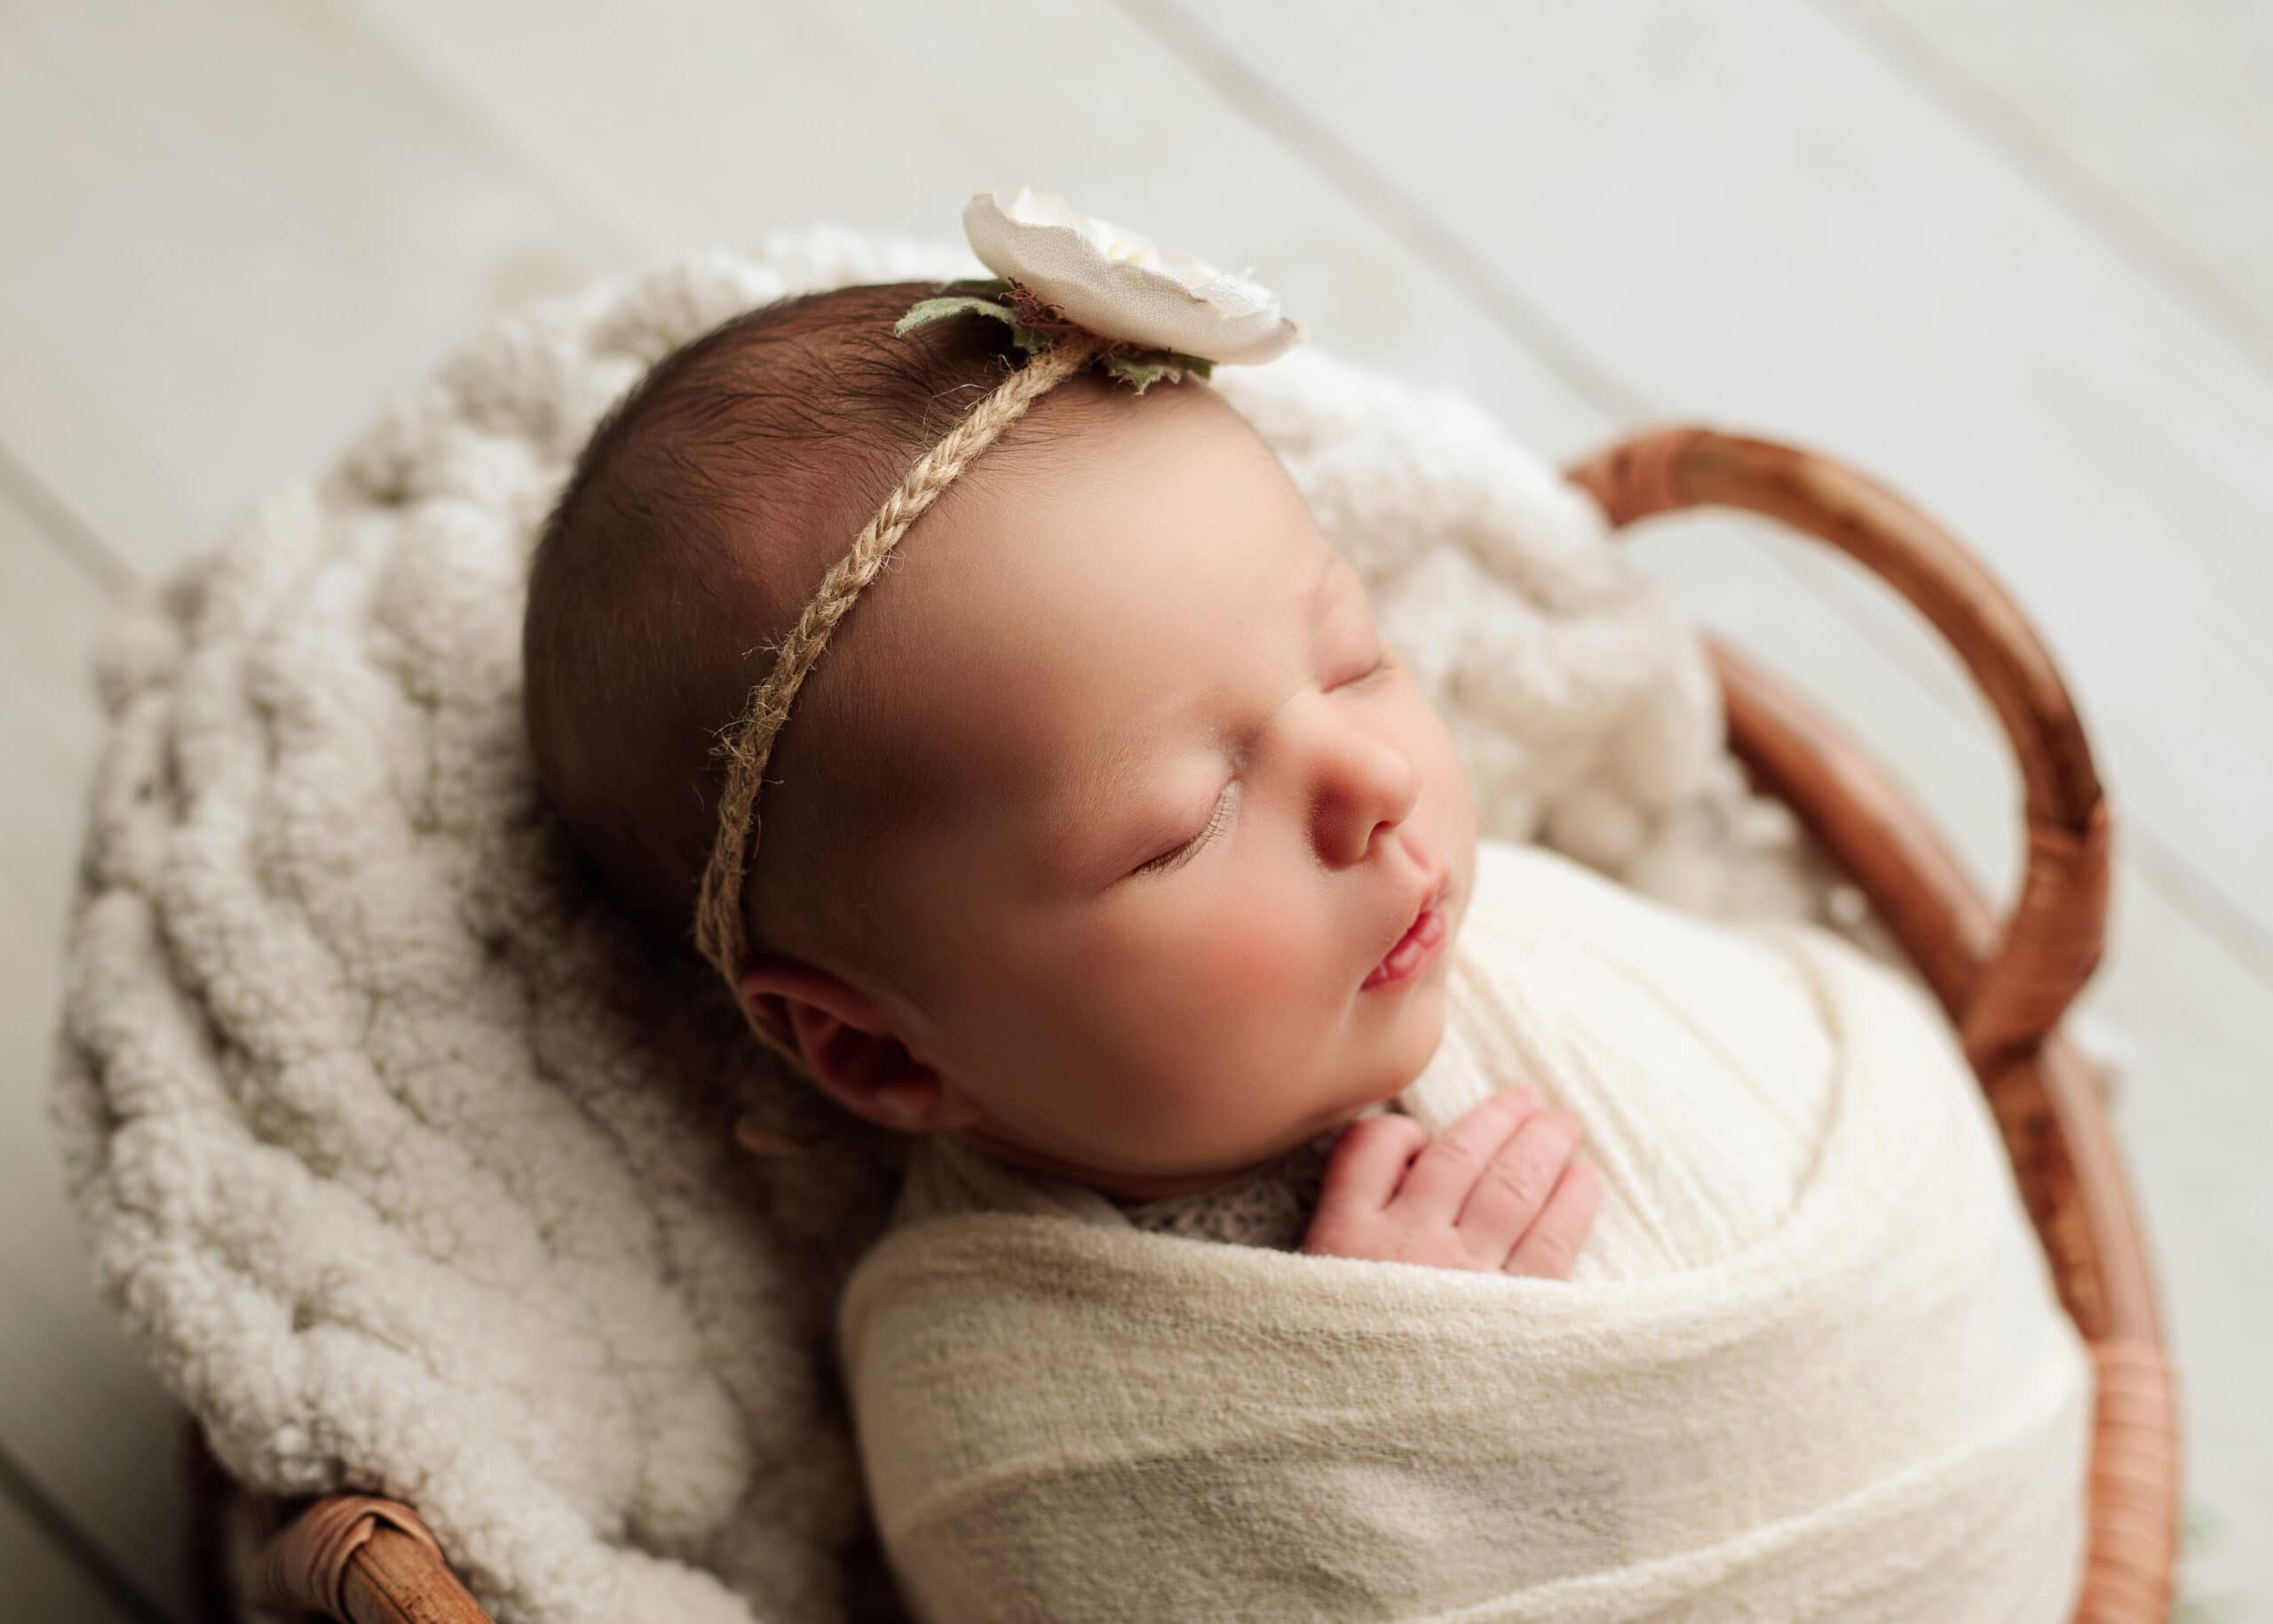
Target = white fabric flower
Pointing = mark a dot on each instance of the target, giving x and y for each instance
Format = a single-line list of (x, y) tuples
[(1115, 283)]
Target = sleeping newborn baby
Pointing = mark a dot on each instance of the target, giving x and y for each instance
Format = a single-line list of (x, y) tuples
[(1112, 853), (1109, 840)]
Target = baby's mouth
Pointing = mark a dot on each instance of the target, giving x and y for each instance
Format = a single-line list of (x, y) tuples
[(1422, 939)]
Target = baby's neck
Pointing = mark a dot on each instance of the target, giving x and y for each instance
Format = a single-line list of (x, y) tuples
[(1122, 1189), (1126, 1191)]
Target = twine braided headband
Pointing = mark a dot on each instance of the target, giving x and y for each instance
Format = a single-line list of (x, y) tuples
[(1074, 290)]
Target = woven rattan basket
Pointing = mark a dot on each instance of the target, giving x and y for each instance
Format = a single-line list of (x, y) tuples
[(2005, 984)]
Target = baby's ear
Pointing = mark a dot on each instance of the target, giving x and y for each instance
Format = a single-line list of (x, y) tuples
[(769, 1011), (849, 1046)]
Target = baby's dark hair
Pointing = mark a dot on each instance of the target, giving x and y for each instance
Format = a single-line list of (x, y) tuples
[(698, 521)]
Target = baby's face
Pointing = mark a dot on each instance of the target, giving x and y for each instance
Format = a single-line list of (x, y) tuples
[(1189, 815)]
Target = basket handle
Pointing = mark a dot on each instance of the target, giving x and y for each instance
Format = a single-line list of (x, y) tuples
[(2004, 993), (2004, 987), (363, 1560)]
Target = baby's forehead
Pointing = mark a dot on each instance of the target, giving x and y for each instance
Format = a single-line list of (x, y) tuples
[(1108, 694), (1083, 597)]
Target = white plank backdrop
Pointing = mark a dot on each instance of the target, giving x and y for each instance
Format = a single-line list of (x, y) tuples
[(2017, 260)]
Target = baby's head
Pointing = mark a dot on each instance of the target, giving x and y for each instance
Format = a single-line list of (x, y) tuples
[(1098, 808)]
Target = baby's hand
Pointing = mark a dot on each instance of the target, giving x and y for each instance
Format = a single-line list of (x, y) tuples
[(1498, 1193)]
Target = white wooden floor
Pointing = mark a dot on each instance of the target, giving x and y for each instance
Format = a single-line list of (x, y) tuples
[(2015, 259)]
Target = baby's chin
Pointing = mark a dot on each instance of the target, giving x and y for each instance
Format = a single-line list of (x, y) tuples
[(1420, 1033), (1386, 1102)]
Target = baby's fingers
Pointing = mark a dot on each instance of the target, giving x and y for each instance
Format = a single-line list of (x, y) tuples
[(1367, 1164), (1512, 1191), (1441, 1181), (1551, 1245)]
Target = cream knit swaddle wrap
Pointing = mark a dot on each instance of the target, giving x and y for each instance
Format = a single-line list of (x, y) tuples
[(1812, 1366)]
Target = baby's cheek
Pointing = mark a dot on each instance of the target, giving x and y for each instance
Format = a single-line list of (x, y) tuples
[(1227, 986), (1257, 952)]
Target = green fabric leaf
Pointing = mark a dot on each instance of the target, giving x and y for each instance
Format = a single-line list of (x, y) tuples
[(1145, 367), (1140, 369), (932, 310)]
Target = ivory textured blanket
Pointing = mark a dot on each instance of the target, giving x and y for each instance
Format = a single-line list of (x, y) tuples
[(1813, 1368)]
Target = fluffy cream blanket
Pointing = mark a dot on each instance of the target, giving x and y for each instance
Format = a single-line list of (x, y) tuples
[(1816, 1368)]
